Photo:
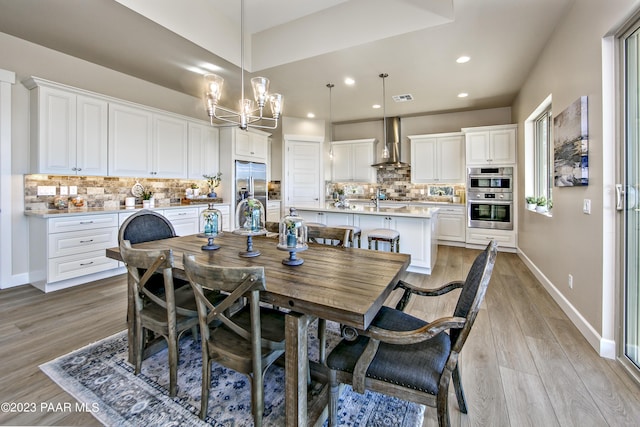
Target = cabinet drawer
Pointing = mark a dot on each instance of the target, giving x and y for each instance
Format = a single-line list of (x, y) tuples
[(69, 267), (83, 222), (76, 242), (174, 214), (505, 239)]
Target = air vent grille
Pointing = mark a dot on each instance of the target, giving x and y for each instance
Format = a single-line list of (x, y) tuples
[(403, 98)]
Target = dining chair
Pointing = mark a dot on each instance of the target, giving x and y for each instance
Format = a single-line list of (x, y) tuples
[(168, 313), (409, 358), (145, 226), (249, 340), (333, 236)]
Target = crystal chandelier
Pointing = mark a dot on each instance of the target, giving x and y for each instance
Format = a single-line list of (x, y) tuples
[(247, 114)]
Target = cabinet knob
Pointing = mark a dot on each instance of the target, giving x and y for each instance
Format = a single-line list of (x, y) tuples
[(79, 169)]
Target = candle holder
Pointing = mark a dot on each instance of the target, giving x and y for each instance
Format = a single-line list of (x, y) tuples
[(212, 219)]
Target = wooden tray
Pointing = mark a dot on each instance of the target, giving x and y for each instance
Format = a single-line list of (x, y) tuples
[(200, 201)]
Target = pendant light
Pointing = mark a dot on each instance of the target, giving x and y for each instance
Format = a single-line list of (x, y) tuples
[(385, 150), (330, 86)]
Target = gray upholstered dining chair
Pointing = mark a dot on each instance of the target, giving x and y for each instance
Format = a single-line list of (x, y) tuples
[(165, 311), (247, 341), (145, 226), (407, 357)]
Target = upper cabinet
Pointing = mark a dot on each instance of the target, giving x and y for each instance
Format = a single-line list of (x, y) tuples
[(68, 131), (352, 160), (437, 158), (491, 145), (203, 150), (146, 144), (250, 145)]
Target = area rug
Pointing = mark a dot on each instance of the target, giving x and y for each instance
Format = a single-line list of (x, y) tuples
[(101, 379)]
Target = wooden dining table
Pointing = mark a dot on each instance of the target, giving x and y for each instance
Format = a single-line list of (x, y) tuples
[(345, 285)]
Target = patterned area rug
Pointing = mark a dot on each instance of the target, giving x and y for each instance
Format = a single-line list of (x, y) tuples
[(101, 379)]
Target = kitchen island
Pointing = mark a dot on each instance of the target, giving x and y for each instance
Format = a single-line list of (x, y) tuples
[(418, 227)]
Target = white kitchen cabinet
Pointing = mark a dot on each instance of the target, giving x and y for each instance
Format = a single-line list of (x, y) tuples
[(70, 250), (146, 144), (130, 141), (491, 145), (437, 158), (68, 130), (185, 221), (451, 224), (327, 218), (203, 149), (169, 147), (352, 160), (250, 145), (479, 237)]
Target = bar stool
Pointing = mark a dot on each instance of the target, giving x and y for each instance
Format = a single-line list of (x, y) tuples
[(385, 235), (354, 234)]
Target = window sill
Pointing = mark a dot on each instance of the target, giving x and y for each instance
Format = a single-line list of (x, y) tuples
[(547, 213)]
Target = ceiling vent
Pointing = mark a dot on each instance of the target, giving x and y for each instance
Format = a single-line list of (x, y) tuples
[(403, 98)]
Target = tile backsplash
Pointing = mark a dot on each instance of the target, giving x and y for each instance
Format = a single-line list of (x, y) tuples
[(105, 192)]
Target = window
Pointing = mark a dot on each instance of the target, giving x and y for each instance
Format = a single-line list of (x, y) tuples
[(538, 162), (542, 155)]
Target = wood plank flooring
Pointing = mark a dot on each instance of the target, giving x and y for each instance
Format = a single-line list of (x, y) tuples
[(525, 364)]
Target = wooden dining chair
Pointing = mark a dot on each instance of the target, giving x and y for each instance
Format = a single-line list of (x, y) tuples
[(333, 236), (145, 226), (168, 313), (406, 357), (249, 340)]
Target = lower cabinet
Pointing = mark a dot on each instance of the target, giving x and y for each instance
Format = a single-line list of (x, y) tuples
[(73, 251), (452, 226), (327, 218), (184, 220), (506, 239), (273, 210)]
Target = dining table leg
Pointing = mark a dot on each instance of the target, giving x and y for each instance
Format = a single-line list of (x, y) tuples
[(296, 368), (131, 313)]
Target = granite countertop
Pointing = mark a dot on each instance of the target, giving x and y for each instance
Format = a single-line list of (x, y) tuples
[(400, 210), (48, 213)]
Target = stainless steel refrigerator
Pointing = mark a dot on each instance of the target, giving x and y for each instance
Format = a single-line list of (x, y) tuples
[(251, 177)]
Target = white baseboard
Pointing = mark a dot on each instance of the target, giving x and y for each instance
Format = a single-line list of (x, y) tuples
[(605, 348), (16, 280)]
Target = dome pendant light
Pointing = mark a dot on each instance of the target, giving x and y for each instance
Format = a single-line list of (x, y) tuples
[(330, 86), (385, 150)]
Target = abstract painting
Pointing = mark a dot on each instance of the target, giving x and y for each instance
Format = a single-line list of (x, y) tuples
[(571, 145)]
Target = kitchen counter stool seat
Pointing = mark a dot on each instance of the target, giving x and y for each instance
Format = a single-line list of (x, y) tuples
[(384, 235)]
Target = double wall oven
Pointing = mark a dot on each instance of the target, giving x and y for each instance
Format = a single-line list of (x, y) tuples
[(490, 197)]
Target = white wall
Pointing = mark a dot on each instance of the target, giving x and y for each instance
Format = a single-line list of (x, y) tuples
[(571, 242), (27, 59)]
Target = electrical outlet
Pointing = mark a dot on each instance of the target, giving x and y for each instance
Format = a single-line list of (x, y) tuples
[(586, 206), (46, 190), (73, 190), (64, 190), (570, 281)]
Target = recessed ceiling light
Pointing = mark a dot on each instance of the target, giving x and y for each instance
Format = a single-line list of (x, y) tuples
[(310, 115), (463, 59), (463, 95), (376, 106), (349, 81)]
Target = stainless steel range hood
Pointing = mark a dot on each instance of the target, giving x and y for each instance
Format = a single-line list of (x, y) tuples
[(392, 142)]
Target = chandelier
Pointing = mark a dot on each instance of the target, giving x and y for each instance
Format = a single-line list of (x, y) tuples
[(385, 150), (248, 113)]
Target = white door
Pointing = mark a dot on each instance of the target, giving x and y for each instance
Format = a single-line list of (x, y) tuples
[(303, 174)]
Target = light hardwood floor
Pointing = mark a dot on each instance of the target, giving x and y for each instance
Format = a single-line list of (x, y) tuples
[(525, 364)]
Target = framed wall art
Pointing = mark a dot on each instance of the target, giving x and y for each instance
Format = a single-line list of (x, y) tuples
[(571, 145)]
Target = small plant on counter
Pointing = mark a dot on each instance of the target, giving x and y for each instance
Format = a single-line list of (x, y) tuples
[(194, 186), (213, 180), (147, 194)]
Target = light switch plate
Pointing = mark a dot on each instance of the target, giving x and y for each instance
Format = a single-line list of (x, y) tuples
[(586, 206), (73, 190), (46, 190), (64, 190)]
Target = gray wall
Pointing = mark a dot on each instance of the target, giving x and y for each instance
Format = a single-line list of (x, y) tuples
[(571, 242)]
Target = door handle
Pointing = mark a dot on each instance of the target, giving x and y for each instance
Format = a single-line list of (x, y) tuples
[(619, 194)]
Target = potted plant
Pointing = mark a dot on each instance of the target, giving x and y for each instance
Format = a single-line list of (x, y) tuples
[(147, 198), (541, 203), (213, 181), (195, 189), (532, 202)]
